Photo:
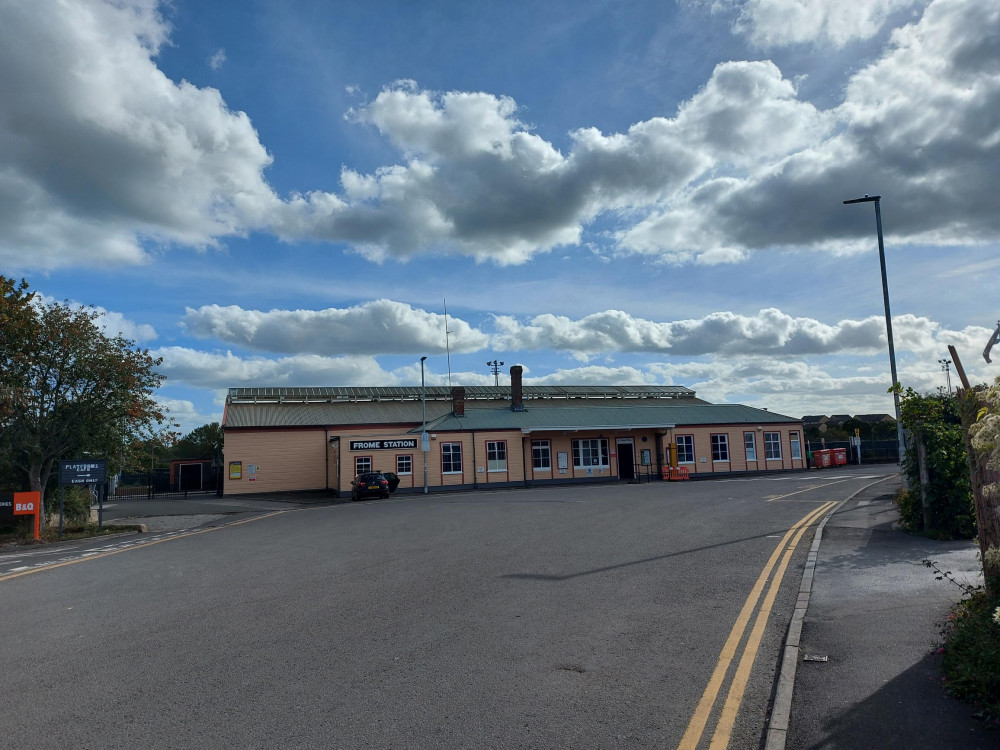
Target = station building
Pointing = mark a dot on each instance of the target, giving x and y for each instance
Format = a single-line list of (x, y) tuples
[(307, 439)]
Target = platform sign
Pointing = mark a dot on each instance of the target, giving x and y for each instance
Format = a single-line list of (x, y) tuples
[(90, 471)]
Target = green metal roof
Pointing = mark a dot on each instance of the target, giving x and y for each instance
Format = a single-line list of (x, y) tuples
[(593, 417)]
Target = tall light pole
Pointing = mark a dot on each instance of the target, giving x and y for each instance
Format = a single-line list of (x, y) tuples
[(423, 420), (495, 366), (876, 199), (946, 366)]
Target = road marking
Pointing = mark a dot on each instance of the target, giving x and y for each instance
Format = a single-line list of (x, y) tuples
[(95, 555), (772, 498), (699, 719), (724, 729)]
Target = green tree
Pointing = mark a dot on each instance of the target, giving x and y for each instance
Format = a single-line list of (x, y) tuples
[(67, 387), (202, 442)]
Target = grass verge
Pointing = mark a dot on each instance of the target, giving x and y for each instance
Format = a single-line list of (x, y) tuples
[(17, 537)]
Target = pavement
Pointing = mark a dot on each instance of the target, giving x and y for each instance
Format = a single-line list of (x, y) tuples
[(861, 667)]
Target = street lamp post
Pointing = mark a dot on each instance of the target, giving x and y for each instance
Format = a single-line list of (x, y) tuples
[(876, 199), (423, 420)]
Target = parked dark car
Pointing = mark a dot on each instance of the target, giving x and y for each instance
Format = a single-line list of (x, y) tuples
[(393, 480), (369, 484)]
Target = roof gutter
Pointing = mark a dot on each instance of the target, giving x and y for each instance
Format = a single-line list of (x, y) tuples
[(578, 428)]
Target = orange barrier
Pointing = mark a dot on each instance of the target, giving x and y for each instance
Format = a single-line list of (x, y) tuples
[(679, 474)]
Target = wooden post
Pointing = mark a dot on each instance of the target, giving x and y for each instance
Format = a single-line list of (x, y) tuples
[(925, 480)]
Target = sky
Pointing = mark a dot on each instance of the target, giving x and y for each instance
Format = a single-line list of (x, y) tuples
[(270, 193)]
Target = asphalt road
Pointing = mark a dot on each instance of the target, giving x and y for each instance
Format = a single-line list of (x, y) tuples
[(572, 617)]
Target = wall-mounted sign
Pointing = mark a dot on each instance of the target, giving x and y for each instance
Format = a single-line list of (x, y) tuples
[(83, 472), (382, 445), (235, 469)]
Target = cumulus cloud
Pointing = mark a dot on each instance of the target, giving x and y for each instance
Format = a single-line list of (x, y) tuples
[(775, 23), (100, 153), (226, 370), (724, 333), (921, 125), (477, 181), (377, 327)]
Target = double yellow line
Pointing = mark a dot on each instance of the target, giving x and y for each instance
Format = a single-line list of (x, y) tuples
[(727, 717)]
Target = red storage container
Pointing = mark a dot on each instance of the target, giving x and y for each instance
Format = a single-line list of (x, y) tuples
[(822, 459), (840, 456)]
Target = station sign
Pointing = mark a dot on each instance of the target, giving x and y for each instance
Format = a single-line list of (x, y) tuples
[(383, 445), (83, 472)]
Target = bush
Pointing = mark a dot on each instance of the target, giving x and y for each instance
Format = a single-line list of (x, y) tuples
[(935, 421), (972, 653), (76, 505)]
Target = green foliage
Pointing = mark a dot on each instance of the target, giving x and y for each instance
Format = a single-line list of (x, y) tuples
[(76, 506), (972, 653), (67, 389), (203, 442), (935, 420)]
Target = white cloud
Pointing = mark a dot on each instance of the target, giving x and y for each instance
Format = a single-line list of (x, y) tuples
[(920, 125), (743, 165), (217, 60), (216, 370), (775, 23), (101, 153), (377, 327), (111, 323), (724, 333)]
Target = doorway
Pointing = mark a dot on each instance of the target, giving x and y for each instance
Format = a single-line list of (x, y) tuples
[(626, 459)]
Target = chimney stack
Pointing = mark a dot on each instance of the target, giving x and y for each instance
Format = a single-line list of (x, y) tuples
[(458, 401), (516, 395)]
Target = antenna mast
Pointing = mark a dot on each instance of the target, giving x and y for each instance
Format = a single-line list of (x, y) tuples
[(447, 344)]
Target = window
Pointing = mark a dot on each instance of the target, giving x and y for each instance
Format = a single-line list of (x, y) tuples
[(750, 441), (720, 447), (590, 453), (796, 445), (451, 458), (404, 464), (496, 455), (541, 454), (685, 449), (362, 464), (772, 446)]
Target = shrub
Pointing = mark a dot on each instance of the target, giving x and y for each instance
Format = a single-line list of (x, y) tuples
[(972, 653), (76, 505), (936, 422)]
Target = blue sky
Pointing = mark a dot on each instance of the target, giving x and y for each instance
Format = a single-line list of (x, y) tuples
[(285, 194)]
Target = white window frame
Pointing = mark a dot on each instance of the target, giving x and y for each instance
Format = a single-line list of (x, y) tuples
[(409, 459), (359, 461), (688, 441), (793, 439), (720, 447), (769, 443), (588, 446), (496, 455), (541, 455), (750, 444), (453, 450)]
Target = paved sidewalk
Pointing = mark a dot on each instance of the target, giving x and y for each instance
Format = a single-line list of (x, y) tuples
[(874, 612)]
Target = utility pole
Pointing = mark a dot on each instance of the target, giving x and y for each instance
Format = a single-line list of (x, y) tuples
[(495, 369)]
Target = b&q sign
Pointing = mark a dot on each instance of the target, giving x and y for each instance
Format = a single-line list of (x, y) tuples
[(22, 504)]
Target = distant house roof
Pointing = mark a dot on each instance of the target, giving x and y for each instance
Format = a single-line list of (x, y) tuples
[(874, 418), (817, 419)]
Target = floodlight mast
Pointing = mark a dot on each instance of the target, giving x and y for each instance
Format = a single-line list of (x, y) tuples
[(876, 199)]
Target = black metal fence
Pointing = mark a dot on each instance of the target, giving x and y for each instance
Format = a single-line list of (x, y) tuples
[(188, 479), (872, 451)]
